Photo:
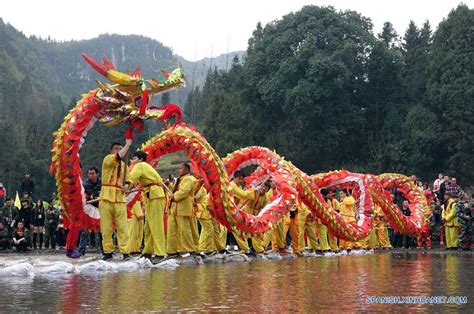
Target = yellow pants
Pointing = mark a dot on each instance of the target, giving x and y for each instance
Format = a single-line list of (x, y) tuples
[(381, 232), (180, 235), (206, 238), (155, 242), (452, 234), (220, 235), (291, 224), (345, 245), (373, 242), (113, 212), (261, 242), (301, 229), (195, 233), (332, 241), (241, 242), (323, 237), (278, 236), (311, 230), (135, 234)]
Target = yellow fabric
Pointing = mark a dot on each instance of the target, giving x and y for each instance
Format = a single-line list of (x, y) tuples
[(278, 236), (206, 238), (452, 233), (332, 241), (111, 182), (202, 206), (291, 224), (241, 242), (310, 228), (180, 236), (449, 213), (348, 209), (135, 228), (382, 236), (183, 197), (323, 237), (155, 242), (302, 214), (240, 195), (116, 212), (334, 204), (255, 202), (194, 233), (261, 242), (148, 178), (220, 235), (373, 242)]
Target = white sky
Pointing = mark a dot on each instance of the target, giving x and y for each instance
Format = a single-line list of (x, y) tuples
[(197, 28)]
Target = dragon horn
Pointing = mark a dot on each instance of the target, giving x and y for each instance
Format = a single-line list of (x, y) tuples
[(102, 69), (107, 69)]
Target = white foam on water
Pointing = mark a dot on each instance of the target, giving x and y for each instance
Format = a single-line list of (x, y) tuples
[(54, 268), (23, 269), (168, 264)]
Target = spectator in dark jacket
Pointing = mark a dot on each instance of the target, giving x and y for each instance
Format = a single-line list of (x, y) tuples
[(5, 240), (37, 220), (27, 185), (9, 215)]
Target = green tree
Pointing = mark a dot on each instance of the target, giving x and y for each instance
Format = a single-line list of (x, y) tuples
[(451, 90)]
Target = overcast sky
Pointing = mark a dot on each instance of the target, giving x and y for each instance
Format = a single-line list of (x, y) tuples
[(197, 28)]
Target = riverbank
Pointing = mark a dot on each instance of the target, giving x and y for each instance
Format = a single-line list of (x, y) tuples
[(47, 262)]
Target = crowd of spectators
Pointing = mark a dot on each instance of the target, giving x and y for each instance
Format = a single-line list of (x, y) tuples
[(448, 216), (39, 225)]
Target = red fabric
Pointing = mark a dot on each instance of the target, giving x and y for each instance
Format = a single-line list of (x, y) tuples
[(72, 237), (135, 124), (144, 102)]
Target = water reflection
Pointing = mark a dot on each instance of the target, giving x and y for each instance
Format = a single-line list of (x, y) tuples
[(305, 285)]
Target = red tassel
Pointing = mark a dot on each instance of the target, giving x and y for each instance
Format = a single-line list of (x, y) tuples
[(144, 104)]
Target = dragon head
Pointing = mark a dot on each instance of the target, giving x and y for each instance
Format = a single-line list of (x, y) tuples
[(127, 97)]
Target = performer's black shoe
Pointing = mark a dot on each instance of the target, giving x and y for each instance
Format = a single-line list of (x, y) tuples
[(107, 256), (158, 259), (126, 257), (147, 256)]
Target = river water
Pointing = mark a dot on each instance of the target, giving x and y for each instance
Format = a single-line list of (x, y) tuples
[(302, 285)]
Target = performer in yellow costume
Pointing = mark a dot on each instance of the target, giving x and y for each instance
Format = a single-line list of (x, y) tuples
[(241, 197), (180, 217), (347, 208), (381, 230), (135, 227), (256, 201), (334, 204), (451, 220), (112, 205), (201, 206), (307, 225), (152, 184)]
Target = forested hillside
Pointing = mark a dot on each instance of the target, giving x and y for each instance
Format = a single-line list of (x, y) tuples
[(40, 80)]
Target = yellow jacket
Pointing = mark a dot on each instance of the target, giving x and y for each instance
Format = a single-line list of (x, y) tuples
[(255, 203), (149, 179), (201, 204), (348, 209), (183, 196), (240, 195), (449, 213), (113, 169)]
